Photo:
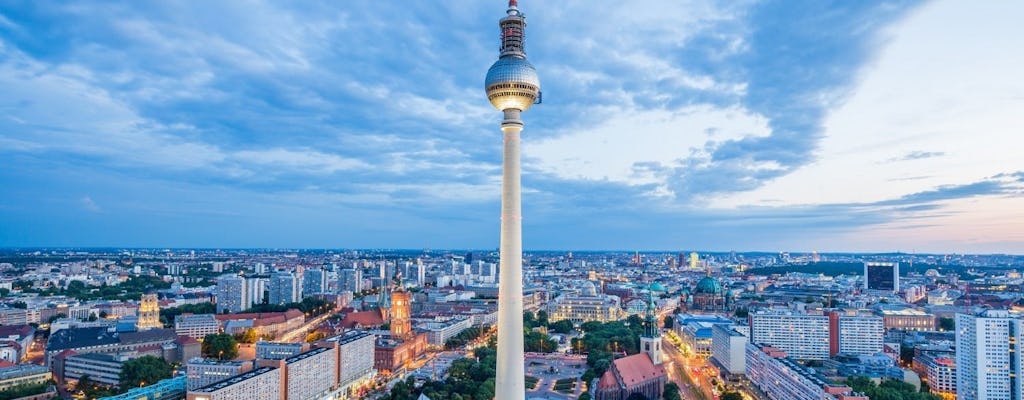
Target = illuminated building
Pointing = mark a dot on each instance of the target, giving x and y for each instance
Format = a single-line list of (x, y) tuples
[(149, 313)]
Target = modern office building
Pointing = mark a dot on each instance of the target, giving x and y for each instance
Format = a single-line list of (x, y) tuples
[(988, 361), (196, 326), (262, 383), (149, 313), (728, 349), (781, 378), (281, 288), (882, 276), (203, 372), (231, 294)]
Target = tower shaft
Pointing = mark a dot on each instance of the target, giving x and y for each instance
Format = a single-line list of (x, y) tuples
[(510, 383)]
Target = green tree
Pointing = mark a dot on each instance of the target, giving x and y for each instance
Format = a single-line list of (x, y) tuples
[(564, 326), (145, 370), (671, 392), (248, 336), (731, 396), (668, 322), (221, 346), (947, 324), (542, 318), (538, 342)]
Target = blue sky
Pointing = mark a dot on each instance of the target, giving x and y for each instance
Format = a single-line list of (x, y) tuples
[(762, 125)]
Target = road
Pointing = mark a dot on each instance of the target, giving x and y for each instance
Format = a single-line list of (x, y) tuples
[(686, 372), (298, 334)]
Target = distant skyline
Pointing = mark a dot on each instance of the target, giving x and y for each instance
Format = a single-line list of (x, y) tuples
[(747, 126)]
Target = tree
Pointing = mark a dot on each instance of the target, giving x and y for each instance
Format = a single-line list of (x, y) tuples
[(248, 336), (221, 346), (538, 342), (145, 370), (542, 317), (741, 312), (564, 326), (947, 324), (672, 392), (668, 322), (731, 396), (56, 317)]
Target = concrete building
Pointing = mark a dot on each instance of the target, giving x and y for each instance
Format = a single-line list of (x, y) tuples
[(196, 326), (728, 349), (149, 313), (314, 281), (23, 374), (231, 294), (355, 353), (202, 372), (308, 373), (255, 290), (439, 331), (988, 362), (585, 307), (264, 383), (351, 279), (802, 336), (102, 368), (908, 319), (855, 334), (781, 378), (939, 371), (281, 288), (278, 351)]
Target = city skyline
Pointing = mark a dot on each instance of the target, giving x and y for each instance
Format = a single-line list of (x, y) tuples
[(869, 127)]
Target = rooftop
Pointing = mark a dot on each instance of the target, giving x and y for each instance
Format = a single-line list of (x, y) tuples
[(235, 380)]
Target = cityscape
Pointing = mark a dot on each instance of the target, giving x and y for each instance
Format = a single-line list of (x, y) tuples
[(714, 201)]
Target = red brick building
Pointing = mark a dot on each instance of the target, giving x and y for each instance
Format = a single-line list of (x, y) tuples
[(629, 375)]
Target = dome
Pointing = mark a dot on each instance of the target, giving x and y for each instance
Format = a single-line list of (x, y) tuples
[(588, 289), (708, 285), (512, 83), (657, 287)]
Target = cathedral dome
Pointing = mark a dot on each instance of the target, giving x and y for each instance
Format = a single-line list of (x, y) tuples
[(708, 285)]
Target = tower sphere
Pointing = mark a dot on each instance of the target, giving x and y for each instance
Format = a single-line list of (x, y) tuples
[(512, 83)]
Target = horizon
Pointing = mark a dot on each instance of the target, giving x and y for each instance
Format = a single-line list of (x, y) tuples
[(874, 128)]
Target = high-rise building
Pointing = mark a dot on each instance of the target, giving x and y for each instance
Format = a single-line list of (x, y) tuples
[(801, 336), (855, 333), (421, 273), (512, 86), (255, 289), (883, 276), (728, 348), (988, 362), (263, 383), (202, 372), (314, 281), (779, 377), (231, 294), (149, 313), (351, 279), (281, 288)]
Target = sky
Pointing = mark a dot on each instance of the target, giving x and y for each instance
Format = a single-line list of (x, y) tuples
[(666, 125)]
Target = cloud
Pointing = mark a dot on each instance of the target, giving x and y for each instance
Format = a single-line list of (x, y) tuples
[(89, 205), (916, 155)]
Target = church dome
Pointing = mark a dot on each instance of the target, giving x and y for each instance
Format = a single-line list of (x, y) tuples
[(588, 289), (708, 285)]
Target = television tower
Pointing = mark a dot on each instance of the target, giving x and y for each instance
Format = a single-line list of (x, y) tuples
[(512, 86)]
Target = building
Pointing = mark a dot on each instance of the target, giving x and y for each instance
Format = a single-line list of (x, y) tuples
[(987, 360), (281, 288), (939, 371), (278, 351), (355, 353), (202, 372), (875, 366), (272, 323), (802, 336), (231, 294), (401, 306), (167, 389), (351, 279), (108, 340), (255, 290), (103, 368), (629, 375), (149, 313), (855, 334), (13, 316), (882, 276), (15, 341), (306, 373), (728, 349), (585, 307), (781, 378), (264, 383), (23, 374), (314, 281), (908, 319), (696, 333), (709, 295), (196, 326), (439, 331)]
